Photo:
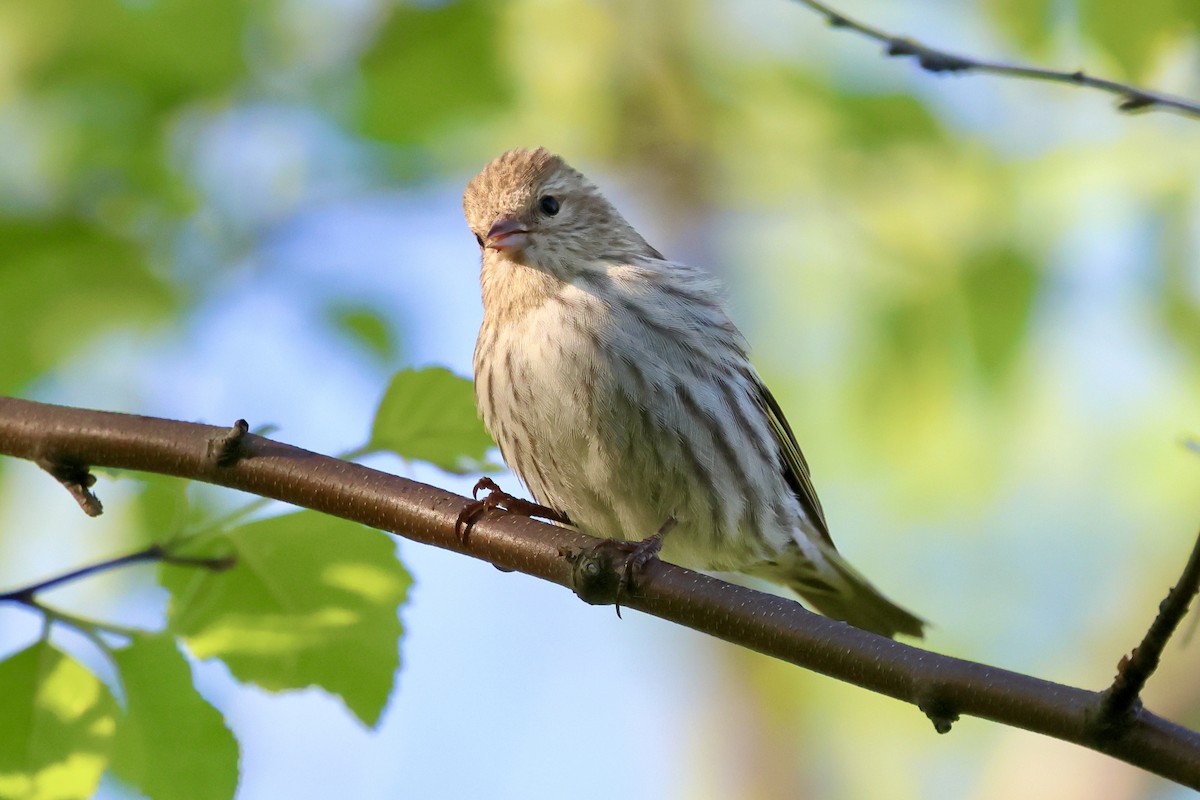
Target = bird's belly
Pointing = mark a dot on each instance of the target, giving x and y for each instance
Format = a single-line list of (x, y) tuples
[(589, 439)]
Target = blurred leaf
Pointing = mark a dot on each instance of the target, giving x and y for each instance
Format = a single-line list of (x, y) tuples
[(883, 120), (312, 601), (914, 330), (170, 742), (56, 725), (164, 51), (432, 67), (429, 415), (999, 288), (1174, 265), (65, 283), (112, 74), (367, 327), (1189, 12), (913, 342), (1026, 22), (164, 508), (1132, 32)]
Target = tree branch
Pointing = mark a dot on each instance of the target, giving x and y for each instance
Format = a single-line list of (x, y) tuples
[(931, 59), (1122, 698), (943, 687)]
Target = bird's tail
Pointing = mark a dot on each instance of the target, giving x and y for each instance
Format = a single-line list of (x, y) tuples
[(838, 591)]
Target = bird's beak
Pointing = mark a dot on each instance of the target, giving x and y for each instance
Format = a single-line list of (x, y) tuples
[(506, 233)]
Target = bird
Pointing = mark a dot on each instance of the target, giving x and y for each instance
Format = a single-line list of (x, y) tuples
[(621, 394)]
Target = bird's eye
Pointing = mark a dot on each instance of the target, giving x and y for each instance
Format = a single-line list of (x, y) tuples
[(479, 239), (549, 205)]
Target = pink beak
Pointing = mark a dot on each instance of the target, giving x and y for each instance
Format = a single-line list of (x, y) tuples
[(506, 233)]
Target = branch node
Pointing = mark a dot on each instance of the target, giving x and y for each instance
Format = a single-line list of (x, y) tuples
[(229, 448), (900, 47), (929, 59), (1135, 101), (932, 700), (77, 479), (936, 61)]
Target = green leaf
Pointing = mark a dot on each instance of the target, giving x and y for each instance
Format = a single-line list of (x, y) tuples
[(999, 288), (873, 121), (1133, 33), (170, 742), (163, 507), (433, 66), (109, 77), (1027, 22), (366, 327), (163, 51), (1177, 304), (56, 726), (312, 601), (64, 283), (429, 415), (1189, 13)]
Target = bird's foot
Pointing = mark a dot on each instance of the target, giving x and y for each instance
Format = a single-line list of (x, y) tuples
[(498, 498), (614, 569), (641, 554)]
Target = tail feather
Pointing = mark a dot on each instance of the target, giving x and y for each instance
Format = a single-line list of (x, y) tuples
[(838, 591)]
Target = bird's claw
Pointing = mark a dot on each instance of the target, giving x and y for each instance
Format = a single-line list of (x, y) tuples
[(639, 556), (498, 498), (467, 517)]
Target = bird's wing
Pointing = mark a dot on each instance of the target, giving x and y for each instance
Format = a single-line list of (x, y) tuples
[(795, 468)]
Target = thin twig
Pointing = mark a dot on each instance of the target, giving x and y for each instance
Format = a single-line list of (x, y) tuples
[(86, 625), (931, 59), (91, 629), (941, 686), (26, 594), (155, 552), (1122, 698)]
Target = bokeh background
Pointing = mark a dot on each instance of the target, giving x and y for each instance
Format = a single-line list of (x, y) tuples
[(978, 300)]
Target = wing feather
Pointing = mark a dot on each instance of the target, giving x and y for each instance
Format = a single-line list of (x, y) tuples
[(795, 468)]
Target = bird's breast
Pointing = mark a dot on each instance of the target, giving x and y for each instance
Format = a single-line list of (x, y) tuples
[(542, 384), (616, 422)]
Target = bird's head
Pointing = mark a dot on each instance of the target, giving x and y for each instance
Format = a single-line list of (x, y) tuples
[(530, 207)]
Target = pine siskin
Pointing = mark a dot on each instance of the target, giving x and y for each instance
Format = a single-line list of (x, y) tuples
[(622, 395)]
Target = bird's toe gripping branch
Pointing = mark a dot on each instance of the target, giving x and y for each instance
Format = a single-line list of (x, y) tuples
[(612, 569), (498, 498)]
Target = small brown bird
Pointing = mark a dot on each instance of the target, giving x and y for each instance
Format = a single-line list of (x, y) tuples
[(622, 395)]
